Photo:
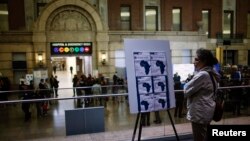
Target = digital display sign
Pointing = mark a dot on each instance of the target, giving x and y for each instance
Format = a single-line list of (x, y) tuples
[(84, 48)]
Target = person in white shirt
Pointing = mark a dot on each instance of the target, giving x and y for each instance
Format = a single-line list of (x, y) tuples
[(199, 92)]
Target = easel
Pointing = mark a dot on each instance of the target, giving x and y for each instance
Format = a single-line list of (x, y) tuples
[(138, 120)]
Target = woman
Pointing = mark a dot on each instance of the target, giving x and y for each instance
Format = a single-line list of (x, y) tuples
[(199, 92)]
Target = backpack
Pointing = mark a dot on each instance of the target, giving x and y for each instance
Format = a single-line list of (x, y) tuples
[(219, 102)]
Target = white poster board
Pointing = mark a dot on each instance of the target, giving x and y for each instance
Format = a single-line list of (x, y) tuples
[(22, 80), (150, 77), (29, 77), (38, 75)]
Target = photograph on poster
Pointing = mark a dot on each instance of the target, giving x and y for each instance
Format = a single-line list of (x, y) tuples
[(144, 85), (146, 102), (142, 63), (160, 101), (159, 84), (159, 64), (153, 65)]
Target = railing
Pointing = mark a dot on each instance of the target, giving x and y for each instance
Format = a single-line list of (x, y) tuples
[(118, 120)]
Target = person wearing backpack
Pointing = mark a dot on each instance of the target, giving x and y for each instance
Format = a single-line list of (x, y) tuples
[(199, 92)]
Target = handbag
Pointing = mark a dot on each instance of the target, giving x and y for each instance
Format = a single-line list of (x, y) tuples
[(219, 102)]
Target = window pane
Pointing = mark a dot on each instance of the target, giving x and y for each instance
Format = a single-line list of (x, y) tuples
[(4, 22), (125, 18), (18, 74), (181, 56), (125, 13), (205, 20), (176, 15), (230, 57), (19, 56), (119, 59), (228, 23), (151, 18)]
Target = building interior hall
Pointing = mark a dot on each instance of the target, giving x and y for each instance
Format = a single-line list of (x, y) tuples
[(117, 116), (119, 123), (63, 38)]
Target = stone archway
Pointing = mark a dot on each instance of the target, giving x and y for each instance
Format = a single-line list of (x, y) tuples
[(70, 18), (46, 23)]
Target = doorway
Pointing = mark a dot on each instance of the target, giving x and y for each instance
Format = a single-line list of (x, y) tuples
[(80, 64)]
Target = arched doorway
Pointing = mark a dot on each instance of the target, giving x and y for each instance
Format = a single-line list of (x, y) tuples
[(64, 21)]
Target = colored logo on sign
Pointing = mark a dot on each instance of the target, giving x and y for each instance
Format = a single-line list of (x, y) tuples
[(86, 49), (66, 49), (71, 50), (61, 49), (77, 49)]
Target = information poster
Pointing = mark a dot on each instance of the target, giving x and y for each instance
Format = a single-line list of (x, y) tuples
[(150, 81), (29, 77)]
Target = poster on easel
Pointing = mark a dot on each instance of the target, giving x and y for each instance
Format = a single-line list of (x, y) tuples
[(150, 81), (29, 77)]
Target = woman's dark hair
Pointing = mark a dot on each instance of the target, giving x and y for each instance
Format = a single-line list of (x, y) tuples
[(206, 57)]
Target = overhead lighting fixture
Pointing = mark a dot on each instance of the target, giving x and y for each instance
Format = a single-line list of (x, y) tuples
[(103, 58)]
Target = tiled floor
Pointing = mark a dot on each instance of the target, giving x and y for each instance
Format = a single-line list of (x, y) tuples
[(119, 123)]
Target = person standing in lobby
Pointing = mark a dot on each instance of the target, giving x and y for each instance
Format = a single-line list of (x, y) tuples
[(54, 69), (179, 100), (26, 95), (199, 92), (74, 81), (56, 85), (63, 66), (71, 70), (235, 94)]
